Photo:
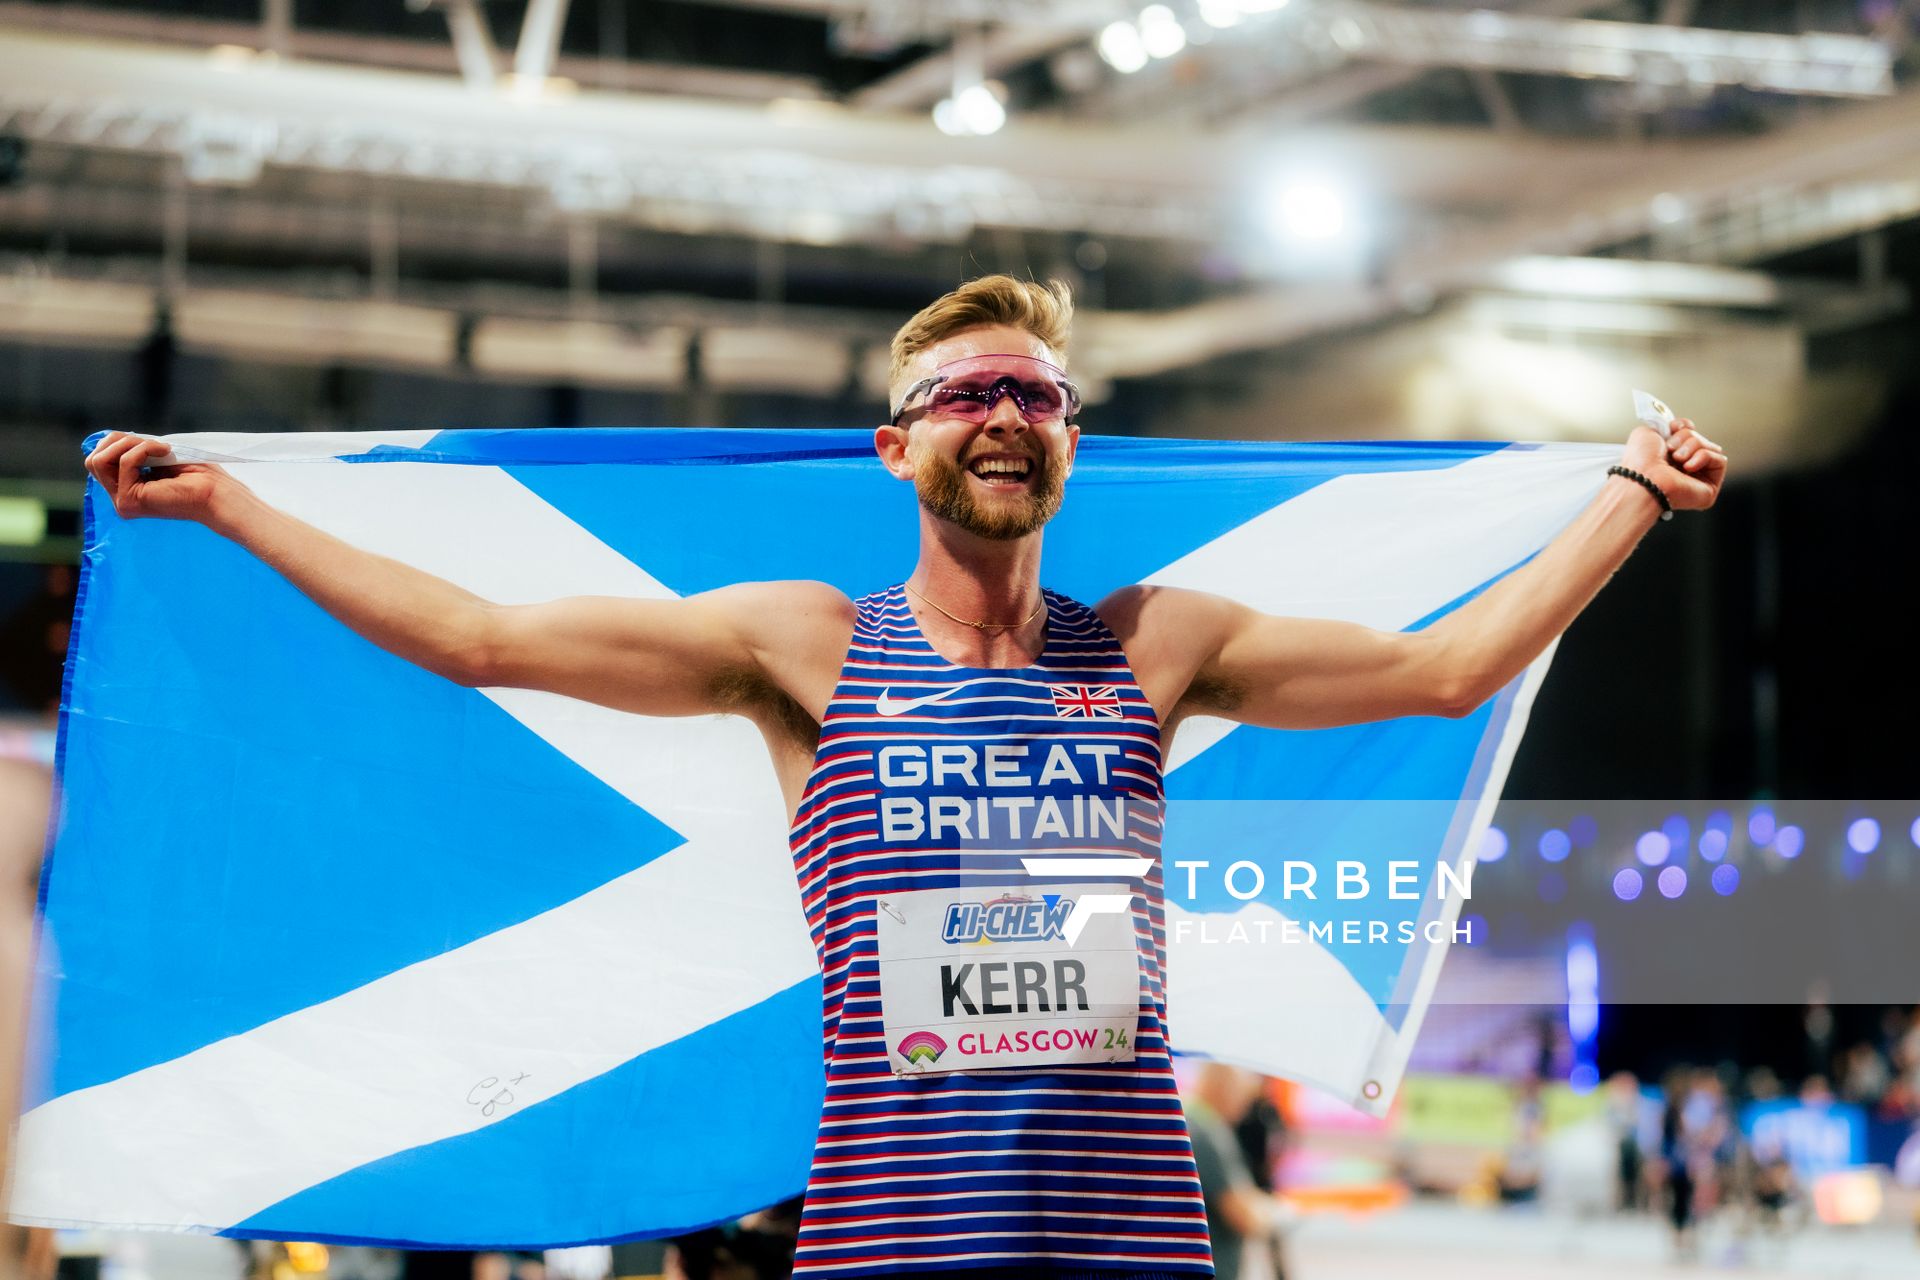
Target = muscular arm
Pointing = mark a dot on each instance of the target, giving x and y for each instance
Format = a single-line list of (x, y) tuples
[(734, 649), (1198, 653)]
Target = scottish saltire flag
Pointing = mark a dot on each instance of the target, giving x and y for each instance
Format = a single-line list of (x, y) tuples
[(336, 949)]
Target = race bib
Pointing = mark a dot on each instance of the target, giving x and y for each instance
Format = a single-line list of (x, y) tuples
[(978, 980)]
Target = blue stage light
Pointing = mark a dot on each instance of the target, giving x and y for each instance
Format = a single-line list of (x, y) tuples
[(1555, 845), (1673, 881), (1493, 845)]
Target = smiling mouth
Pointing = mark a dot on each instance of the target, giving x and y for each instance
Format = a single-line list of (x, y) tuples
[(1002, 473)]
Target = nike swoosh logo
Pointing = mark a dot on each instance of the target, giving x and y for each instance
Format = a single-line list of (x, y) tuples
[(888, 705)]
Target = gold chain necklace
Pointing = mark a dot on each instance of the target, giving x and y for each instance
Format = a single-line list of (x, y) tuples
[(982, 626)]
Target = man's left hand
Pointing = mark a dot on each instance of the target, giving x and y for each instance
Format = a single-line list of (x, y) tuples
[(1687, 466)]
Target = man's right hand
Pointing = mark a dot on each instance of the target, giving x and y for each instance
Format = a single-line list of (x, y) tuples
[(182, 492)]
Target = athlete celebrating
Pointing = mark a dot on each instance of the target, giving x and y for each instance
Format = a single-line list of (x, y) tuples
[(973, 768)]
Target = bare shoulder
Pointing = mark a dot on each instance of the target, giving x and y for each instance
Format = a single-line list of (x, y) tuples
[(803, 599), (797, 632), (1169, 634), (1155, 616)]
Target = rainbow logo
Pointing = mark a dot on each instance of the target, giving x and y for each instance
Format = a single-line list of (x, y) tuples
[(922, 1047)]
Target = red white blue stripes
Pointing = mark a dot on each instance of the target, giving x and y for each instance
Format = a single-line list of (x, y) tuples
[(1081, 1171)]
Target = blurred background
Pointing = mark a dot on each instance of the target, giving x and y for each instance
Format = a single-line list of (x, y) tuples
[(1687, 1035)]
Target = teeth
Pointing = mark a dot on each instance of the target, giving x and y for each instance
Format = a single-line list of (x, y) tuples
[(1000, 467)]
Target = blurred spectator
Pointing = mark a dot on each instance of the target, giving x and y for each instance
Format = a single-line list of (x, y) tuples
[(1682, 1146), (1623, 1119), (1817, 1025), (1774, 1186), (1762, 1085), (1262, 1135), (1237, 1210), (763, 1243), (25, 795), (1520, 1167), (1712, 1134), (1864, 1075), (698, 1255)]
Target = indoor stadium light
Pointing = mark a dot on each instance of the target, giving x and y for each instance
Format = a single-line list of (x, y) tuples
[(1789, 841), (1312, 209), (980, 110), (1677, 831), (974, 111), (1863, 835), (1672, 881), (1121, 47), (1583, 1004), (1652, 848), (1221, 14), (1161, 34), (1627, 884)]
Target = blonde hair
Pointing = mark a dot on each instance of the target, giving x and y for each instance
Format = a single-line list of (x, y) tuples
[(1043, 310)]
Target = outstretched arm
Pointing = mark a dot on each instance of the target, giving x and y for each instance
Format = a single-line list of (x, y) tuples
[(1199, 653), (718, 651)]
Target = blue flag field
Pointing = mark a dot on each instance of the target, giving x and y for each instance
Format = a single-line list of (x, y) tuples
[(335, 949)]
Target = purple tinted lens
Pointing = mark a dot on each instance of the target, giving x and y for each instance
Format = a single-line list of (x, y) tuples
[(973, 397)]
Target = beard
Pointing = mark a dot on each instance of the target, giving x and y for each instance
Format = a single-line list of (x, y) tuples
[(942, 486)]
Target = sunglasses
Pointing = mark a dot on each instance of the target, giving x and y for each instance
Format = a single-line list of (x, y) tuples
[(967, 390)]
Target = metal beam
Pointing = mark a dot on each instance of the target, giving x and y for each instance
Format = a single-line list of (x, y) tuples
[(801, 170), (345, 48), (1815, 64), (1879, 141), (472, 43), (1316, 57), (1001, 49), (276, 26), (1264, 71), (539, 43)]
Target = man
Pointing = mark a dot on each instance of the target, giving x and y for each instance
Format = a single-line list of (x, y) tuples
[(1013, 1114), (1239, 1212)]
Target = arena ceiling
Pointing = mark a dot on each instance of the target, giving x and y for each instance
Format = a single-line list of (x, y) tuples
[(611, 171)]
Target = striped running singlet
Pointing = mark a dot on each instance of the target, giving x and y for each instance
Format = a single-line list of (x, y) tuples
[(1078, 1171)]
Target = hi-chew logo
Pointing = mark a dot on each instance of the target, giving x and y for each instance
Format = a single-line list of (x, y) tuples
[(1088, 905), (922, 1047), (1009, 918)]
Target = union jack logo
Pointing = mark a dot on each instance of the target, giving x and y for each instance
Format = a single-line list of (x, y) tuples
[(1086, 700)]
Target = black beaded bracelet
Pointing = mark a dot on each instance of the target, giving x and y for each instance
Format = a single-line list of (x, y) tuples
[(1659, 494)]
